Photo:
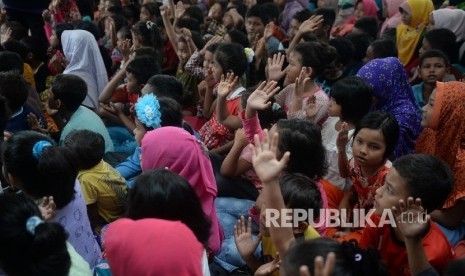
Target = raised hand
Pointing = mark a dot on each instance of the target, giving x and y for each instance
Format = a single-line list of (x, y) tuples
[(301, 82), (311, 107), (240, 139), (164, 10), (179, 10), (125, 48), (6, 36), (322, 267), (342, 137), (311, 24), (46, 16), (47, 208), (227, 84), (186, 33), (412, 220), (269, 268), (266, 165), (260, 98), (212, 40), (275, 67), (245, 243), (269, 30)]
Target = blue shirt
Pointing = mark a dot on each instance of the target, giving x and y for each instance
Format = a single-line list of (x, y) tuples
[(418, 94)]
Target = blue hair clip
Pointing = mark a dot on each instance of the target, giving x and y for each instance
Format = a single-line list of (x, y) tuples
[(38, 148), (275, 107), (32, 223), (148, 111)]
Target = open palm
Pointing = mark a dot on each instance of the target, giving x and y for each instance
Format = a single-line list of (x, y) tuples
[(260, 98), (275, 67), (411, 218), (227, 84)]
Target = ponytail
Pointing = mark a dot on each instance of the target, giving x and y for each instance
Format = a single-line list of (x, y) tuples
[(149, 34)]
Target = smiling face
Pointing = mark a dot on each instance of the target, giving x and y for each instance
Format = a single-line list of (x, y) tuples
[(393, 190), (254, 26), (368, 148), (427, 111), (433, 69)]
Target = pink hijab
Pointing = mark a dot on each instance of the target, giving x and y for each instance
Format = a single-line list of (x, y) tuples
[(394, 18), (152, 247), (180, 152), (370, 9)]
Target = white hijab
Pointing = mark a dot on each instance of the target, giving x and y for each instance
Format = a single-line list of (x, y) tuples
[(84, 60)]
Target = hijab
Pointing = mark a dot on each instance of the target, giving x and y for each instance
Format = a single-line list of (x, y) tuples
[(370, 9), (152, 247), (445, 139), (452, 19), (394, 18), (85, 60), (394, 95), (408, 36), (182, 153)]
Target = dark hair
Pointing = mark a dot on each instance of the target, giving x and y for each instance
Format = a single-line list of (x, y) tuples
[(60, 28), (260, 12), (152, 8), (303, 15), (188, 23), (272, 9), (34, 45), (52, 174), (354, 96), (361, 43), (87, 146), (231, 57), (18, 31), (368, 25), (71, 90), (383, 48), (88, 26), (240, 7), (146, 51), (427, 177), (166, 86), (239, 37), (116, 10), (149, 36), (4, 113), (329, 16), (14, 88), (16, 47), (455, 268), (315, 55), (10, 61), (163, 194), (212, 47), (120, 22), (344, 48), (131, 11), (347, 262), (267, 117), (303, 140), (434, 54), (444, 40), (171, 112), (301, 192), (197, 39), (22, 253), (384, 122), (143, 68)]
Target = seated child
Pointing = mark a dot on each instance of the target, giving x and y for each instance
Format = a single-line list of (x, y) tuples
[(416, 176), (103, 188), (434, 65)]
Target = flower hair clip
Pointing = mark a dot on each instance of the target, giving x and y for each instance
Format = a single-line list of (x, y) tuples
[(150, 25), (148, 111), (39, 147), (249, 53)]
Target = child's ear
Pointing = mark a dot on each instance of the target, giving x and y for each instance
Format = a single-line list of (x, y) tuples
[(301, 228), (309, 72), (58, 104)]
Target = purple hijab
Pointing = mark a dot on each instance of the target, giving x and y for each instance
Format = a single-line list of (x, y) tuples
[(392, 89)]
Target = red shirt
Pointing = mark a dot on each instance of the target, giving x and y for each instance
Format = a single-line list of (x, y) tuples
[(123, 96), (394, 253)]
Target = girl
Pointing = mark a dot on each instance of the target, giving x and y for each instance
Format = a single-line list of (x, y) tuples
[(392, 93), (415, 18), (307, 61), (51, 171), (30, 246), (393, 19), (444, 123), (183, 154), (350, 101), (363, 8), (148, 34), (374, 141), (230, 61), (149, 12)]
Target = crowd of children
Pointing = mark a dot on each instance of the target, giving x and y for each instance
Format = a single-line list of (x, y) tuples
[(220, 137)]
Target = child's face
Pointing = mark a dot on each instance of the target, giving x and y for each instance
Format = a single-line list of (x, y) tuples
[(217, 70), (406, 17), (425, 46), (358, 11), (368, 148), (183, 52), (433, 69), (139, 131), (216, 12), (135, 40), (427, 111), (335, 110), (207, 60), (388, 195), (144, 14), (131, 83), (293, 28), (254, 26), (54, 42), (228, 21), (119, 39), (293, 69)]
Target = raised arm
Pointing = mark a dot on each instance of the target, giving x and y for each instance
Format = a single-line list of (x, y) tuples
[(227, 84)]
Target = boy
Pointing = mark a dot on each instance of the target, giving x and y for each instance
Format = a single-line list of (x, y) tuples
[(434, 65), (103, 188), (418, 176)]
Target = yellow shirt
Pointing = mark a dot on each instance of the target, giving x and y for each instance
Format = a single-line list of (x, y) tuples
[(28, 75), (104, 186)]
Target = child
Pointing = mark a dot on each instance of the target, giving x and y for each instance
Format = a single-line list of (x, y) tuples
[(64, 105), (31, 246), (415, 18), (434, 65), (51, 171), (103, 188), (149, 12), (36, 58), (380, 48), (417, 176), (363, 8), (305, 99), (148, 34), (374, 141), (166, 112), (217, 133), (350, 101)]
